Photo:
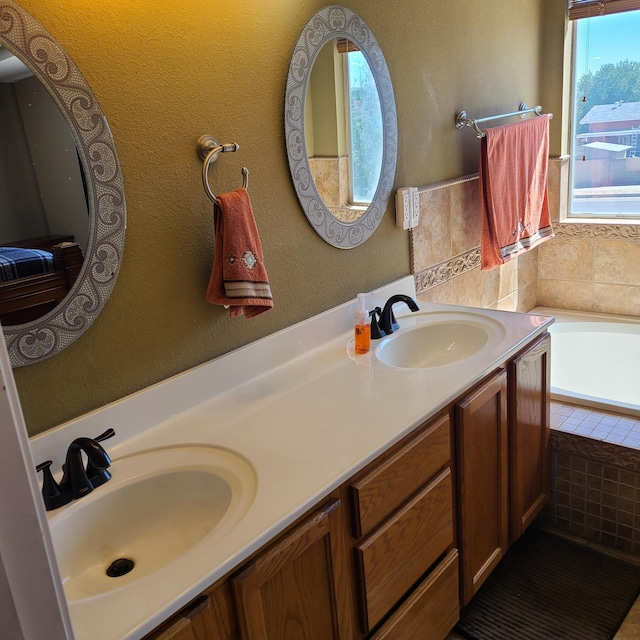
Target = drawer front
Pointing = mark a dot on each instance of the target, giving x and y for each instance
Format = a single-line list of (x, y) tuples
[(383, 490), (431, 611), (396, 555)]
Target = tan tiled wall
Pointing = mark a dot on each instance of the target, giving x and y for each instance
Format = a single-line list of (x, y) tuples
[(446, 255), (587, 266)]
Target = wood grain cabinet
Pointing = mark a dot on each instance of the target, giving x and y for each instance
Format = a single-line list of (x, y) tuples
[(529, 433), (483, 477), (502, 453), (209, 617), (298, 589), (404, 526)]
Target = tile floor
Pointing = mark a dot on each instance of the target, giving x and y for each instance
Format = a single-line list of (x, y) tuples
[(609, 427)]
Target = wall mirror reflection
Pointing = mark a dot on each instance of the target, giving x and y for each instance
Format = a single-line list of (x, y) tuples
[(43, 198), (340, 127), (62, 205), (343, 129)]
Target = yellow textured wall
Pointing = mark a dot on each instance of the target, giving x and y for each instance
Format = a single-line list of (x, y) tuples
[(164, 73)]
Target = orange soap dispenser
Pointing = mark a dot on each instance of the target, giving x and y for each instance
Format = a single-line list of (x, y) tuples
[(361, 329)]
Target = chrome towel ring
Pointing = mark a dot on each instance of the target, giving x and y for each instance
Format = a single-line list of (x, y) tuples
[(209, 150)]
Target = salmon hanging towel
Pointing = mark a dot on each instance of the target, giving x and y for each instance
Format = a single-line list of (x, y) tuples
[(513, 189), (238, 278)]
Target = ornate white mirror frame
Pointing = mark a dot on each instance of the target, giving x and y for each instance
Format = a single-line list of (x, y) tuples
[(31, 342), (330, 23)]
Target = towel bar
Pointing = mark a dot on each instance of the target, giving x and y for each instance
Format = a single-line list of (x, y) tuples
[(462, 121), (209, 150)]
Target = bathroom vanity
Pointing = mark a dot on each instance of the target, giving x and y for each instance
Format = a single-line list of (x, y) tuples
[(386, 539), (376, 498)]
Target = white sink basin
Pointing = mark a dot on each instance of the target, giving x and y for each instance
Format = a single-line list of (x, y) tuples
[(158, 506), (437, 339)]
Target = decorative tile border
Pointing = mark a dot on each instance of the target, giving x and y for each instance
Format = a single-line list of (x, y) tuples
[(593, 230), (444, 271), (597, 450)]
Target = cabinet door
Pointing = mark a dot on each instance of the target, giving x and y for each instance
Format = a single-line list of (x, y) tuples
[(529, 431), (482, 448), (299, 589), (194, 622)]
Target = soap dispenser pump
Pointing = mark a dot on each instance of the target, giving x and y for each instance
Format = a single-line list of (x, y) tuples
[(361, 329)]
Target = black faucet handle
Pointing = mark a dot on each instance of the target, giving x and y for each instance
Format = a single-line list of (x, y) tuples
[(98, 477), (109, 433), (52, 495), (376, 331), (395, 325)]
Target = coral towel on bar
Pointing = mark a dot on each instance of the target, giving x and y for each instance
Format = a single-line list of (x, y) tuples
[(513, 190), (238, 278)]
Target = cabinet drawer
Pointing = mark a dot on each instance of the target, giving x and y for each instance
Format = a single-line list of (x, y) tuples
[(431, 611), (394, 557), (381, 491)]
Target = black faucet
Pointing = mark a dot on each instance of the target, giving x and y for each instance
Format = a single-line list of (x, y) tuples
[(388, 322), (77, 481)]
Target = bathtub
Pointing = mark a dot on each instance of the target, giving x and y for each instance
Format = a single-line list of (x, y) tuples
[(595, 359)]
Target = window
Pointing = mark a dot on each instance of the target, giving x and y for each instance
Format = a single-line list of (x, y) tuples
[(605, 137), (364, 130)]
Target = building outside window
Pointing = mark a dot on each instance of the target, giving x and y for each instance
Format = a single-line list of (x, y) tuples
[(605, 132)]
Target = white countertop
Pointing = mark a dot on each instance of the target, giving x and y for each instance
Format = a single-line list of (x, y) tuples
[(305, 413)]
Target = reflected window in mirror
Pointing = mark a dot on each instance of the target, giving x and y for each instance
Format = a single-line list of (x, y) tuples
[(365, 129), (344, 129)]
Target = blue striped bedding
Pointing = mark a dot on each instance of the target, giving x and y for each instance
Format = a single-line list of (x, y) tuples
[(16, 262)]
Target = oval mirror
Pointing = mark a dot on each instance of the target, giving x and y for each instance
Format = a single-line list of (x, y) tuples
[(62, 205), (340, 127)]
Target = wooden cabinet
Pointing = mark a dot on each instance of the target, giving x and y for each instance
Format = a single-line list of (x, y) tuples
[(431, 610), (529, 432), (482, 452), (502, 434), (209, 617), (404, 508), (299, 588)]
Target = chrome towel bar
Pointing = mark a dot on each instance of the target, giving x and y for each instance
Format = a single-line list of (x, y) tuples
[(209, 150), (463, 121)]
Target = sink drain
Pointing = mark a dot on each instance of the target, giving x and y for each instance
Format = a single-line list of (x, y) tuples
[(120, 567)]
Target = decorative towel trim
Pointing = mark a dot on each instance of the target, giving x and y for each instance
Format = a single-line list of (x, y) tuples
[(524, 244), (247, 289)]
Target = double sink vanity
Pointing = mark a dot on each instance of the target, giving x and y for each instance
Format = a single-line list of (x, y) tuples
[(291, 489)]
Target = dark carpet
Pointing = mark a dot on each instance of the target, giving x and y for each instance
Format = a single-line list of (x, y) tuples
[(547, 588)]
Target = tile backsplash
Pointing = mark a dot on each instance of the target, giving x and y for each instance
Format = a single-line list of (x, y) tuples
[(445, 254), (588, 266)]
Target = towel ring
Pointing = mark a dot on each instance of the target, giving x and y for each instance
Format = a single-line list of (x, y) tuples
[(209, 150)]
